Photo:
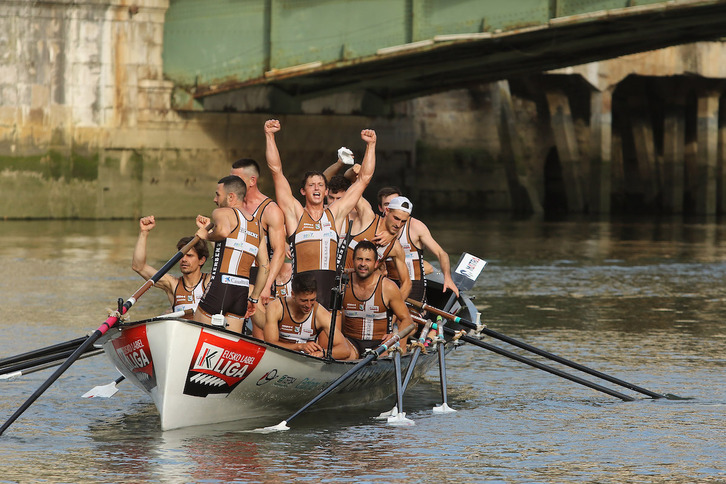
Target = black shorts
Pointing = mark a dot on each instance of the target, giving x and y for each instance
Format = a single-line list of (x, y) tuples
[(362, 345), (326, 282), (224, 298)]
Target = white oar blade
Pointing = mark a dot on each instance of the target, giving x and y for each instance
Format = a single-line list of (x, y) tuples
[(400, 420), (443, 408), (386, 415), (10, 376), (267, 430), (102, 391)]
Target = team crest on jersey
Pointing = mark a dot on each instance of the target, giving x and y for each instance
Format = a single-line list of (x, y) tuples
[(317, 226), (132, 348), (220, 364)]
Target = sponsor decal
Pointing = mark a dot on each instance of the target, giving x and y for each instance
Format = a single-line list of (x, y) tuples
[(132, 348), (285, 381), (308, 384), (220, 364), (267, 377)]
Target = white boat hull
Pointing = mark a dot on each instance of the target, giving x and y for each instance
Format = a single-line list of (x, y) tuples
[(198, 375)]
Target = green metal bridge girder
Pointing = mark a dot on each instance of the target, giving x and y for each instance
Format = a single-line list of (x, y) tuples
[(214, 46)]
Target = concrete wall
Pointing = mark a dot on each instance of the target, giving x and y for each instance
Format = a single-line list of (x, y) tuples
[(86, 129)]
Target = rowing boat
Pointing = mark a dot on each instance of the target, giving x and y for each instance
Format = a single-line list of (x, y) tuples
[(198, 374)]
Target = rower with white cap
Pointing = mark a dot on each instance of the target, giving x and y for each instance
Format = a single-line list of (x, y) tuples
[(414, 236), (383, 231)]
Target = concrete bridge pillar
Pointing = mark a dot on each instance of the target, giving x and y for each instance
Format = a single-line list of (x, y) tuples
[(563, 130), (721, 170), (523, 196), (601, 128), (674, 140), (707, 138), (645, 153)]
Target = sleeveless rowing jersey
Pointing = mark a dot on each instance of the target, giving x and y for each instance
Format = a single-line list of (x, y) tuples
[(259, 212), (368, 233), (228, 290), (314, 244), (365, 320), (186, 299), (283, 290), (414, 263), (235, 254), (292, 331)]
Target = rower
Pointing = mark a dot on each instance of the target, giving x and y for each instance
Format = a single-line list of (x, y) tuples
[(313, 229), (413, 237), (183, 292), (369, 301), (268, 216), (238, 242), (299, 323)]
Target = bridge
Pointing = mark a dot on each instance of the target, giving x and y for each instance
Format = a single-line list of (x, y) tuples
[(274, 55)]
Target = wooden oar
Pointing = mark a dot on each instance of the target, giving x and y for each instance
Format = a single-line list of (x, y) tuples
[(108, 324), (355, 369), (45, 366), (536, 350), (56, 348)]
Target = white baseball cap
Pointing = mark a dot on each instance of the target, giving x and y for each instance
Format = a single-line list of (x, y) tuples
[(401, 203)]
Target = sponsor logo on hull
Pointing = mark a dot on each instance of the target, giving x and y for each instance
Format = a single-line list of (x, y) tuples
[(132, 348), (220, 364)]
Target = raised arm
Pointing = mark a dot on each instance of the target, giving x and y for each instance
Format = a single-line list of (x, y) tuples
[(138, 260), (422, 238), (224, 223), (289, 205), (344, 205), (333, 169)]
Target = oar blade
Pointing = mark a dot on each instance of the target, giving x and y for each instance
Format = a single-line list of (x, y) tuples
[(398, 419), (102, 391), (281, 427), (442, 409)]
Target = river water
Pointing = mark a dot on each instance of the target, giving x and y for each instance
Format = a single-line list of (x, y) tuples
[(638, 299)]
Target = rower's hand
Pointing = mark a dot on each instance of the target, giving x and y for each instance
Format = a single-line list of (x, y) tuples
[(146, 224), (449, 284), (312, 348), (202, 223), (383, 238), (368, 135), (251, 308), (272, 126)]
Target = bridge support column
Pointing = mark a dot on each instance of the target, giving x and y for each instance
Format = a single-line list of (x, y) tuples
[(707, 136), (674, 143), (645, 153), (524, 197), (721, 183), (564, 132), (601, 128)]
